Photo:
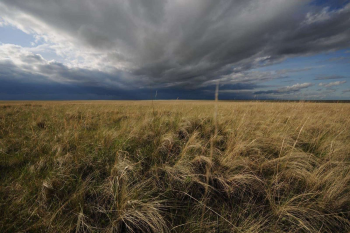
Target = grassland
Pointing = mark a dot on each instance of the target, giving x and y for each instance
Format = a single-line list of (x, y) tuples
[(171, 166)]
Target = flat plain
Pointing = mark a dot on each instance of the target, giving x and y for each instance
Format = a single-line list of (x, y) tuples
[(174, 166)]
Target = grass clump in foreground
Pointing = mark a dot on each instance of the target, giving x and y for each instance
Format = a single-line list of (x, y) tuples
[(130, 167)]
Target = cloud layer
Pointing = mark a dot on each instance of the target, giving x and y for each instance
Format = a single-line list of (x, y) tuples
[(161, 44), (332, 84), (286, 90)]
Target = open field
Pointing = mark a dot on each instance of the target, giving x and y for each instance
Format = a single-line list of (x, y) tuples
[(169, 166)]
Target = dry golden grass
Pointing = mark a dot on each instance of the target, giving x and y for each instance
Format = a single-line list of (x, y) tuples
[(142, 166)]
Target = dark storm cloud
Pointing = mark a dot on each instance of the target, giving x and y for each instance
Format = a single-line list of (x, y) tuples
[(29, 81), (174, 43), (19, 84), (179, 48)]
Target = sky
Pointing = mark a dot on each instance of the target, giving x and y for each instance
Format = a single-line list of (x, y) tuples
[(179, 49)]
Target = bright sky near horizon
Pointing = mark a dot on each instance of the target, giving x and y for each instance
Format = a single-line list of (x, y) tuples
[(114, 49)]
